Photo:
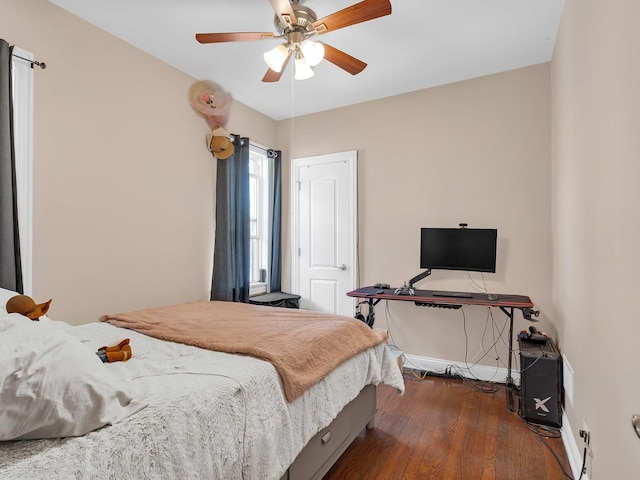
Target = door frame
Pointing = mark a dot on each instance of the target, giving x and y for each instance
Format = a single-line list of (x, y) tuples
[(351, 159)]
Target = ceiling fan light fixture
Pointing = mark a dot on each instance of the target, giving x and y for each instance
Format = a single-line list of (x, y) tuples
[(313, 52), (275, 58), (303, 70), (295, 25)]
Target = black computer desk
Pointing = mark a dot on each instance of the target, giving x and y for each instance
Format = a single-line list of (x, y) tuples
[(506, 302)]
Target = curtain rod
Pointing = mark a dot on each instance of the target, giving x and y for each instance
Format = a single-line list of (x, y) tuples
[(42, 65)]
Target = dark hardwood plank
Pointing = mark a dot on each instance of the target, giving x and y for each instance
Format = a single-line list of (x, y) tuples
[(448, 429)]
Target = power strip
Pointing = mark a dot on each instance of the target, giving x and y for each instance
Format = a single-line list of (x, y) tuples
[(446, 374)]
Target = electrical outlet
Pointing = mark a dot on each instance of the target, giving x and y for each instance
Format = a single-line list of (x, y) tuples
[(585, 435)]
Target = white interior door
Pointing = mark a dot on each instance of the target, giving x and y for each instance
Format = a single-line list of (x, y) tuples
[(324, 229)]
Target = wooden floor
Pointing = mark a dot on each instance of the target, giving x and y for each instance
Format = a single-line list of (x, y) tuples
[(447, 429)]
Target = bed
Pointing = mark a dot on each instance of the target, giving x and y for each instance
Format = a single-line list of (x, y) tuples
[(182, 411)]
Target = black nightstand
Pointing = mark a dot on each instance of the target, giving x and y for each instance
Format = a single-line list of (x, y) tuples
[(276, 299)]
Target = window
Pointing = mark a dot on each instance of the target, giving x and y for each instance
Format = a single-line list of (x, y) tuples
[(259, 188), (22, 80)]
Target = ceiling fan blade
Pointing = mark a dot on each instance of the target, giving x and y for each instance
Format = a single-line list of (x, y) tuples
[(360, 12), (231, 37), (343, 60), (284, 11), (272, 75)]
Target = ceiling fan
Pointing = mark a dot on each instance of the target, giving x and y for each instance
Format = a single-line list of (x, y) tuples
[(296, 24)]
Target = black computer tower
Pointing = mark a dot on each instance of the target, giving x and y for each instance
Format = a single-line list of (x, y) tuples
[(540, 383)]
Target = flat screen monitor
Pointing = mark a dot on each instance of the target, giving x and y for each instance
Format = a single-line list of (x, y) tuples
[(470, 249)]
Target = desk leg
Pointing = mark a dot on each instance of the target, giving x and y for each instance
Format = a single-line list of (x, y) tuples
[(509, 381)]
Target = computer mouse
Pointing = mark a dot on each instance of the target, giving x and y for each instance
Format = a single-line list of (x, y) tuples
[(492, 296)]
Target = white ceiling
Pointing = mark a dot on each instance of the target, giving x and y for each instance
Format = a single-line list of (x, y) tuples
[(423, 43)]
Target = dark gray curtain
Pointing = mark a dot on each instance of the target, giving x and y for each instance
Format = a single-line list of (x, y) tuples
[(10, 264), (275, 282), (230, 281)]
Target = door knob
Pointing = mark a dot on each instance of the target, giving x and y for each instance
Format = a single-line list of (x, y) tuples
[(635, 421), (341, 267)]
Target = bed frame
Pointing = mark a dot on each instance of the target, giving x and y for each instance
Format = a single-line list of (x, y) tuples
[(324, 449)]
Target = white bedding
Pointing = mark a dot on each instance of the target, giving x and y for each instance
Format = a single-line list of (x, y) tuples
[(210, 415)]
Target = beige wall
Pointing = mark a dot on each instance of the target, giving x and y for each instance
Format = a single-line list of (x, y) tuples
[(124, 184), (596, 167), (477, 152), (124, 192)]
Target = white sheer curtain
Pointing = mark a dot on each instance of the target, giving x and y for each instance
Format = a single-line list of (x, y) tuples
[(22, 77)]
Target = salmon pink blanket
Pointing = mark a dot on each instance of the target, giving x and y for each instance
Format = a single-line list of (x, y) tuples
[(302, 345)]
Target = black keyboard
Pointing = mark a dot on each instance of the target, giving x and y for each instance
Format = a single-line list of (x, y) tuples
[(452, 294)]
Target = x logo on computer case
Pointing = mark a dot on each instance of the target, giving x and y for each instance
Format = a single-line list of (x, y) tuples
[(540, 404)]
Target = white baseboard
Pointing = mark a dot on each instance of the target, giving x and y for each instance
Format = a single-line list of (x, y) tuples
[(493, 374), (477, 372)]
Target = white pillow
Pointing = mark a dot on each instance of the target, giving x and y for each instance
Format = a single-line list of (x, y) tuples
[(51, 385)]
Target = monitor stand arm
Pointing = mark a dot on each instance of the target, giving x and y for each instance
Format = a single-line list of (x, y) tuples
[(407, 288), (419, 277)]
